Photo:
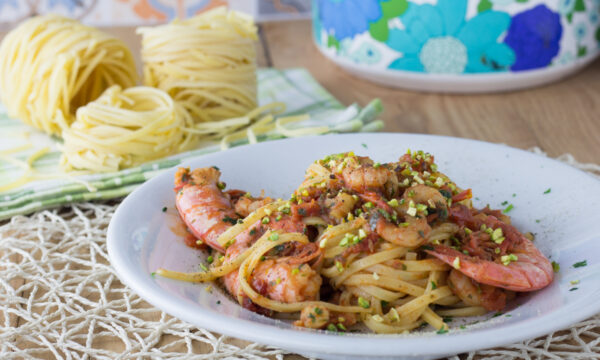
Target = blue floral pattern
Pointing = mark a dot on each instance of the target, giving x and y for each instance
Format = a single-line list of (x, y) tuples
[(347, 18), (441, 36), (438, 39), (534, 35)]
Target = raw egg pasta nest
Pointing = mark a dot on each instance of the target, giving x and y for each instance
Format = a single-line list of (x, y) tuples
[(124, 128), (51, 65), (207, 63)]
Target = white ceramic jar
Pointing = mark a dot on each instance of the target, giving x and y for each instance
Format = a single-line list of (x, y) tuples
[(459, 45)]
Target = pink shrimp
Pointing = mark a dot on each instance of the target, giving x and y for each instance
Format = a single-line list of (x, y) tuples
[(204, 208), (512, 262), (474, 294), (276, 278), (208, 212)]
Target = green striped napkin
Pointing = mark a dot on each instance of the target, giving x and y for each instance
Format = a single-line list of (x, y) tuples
[(49, 186)]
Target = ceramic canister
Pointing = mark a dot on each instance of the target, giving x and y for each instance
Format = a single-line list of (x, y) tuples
[(458, 45)]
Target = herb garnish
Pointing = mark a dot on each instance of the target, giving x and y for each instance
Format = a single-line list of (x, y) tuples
[(580, 264), (229, 219), (508, 208)]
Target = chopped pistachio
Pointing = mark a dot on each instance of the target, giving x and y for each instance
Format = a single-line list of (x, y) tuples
[(361, 234), (364, 303), (456, 263), (393, 202), (507, 259), (393, 314)]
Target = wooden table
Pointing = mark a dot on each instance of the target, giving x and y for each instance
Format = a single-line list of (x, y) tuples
[(562, 117), (559, 118)]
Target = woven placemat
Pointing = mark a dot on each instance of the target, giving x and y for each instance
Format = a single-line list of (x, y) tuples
[(60, 298)]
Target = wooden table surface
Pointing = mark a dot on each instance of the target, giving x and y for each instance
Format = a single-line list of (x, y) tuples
[(559, 118), (562, 117)]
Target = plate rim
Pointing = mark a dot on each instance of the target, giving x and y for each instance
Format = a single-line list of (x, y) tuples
[(321, 341)]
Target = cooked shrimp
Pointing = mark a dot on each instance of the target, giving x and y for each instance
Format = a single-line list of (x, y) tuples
[(247, 204), (286, 281), (412, 233), (341, 205), (517, 264), (277, 279), (204, 208), (423, 194), (474, 294), (367, 177), (313, 317)]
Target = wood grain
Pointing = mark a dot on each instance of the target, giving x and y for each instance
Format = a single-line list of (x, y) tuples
[(561, 117)]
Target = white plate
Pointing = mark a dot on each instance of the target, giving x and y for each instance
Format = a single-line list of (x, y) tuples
[(140, 240)]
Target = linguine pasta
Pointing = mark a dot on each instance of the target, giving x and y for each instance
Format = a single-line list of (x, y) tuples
[(357, 242)]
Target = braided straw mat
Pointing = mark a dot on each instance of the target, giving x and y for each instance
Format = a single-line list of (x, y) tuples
[(60, 298)]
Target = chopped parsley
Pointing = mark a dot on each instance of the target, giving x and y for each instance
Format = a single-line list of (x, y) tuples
[(384, 303), (462, 327), (229, 219), (433, 285), (152, 273), (164, 209), (331, 327), (218, 302), (573, 289), (499, 313), (215, 167), (318, 311), (580, 264), (555, 266), (441, 331), (364, 145), (548, 191), (301, 211), (447, 319), (508, 208), (538, 221), (504, 203), (253, 231)]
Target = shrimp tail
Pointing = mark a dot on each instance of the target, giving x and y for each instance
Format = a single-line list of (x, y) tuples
[(516, 276)]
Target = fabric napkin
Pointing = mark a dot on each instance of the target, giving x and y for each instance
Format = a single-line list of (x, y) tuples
[(48, 186)]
